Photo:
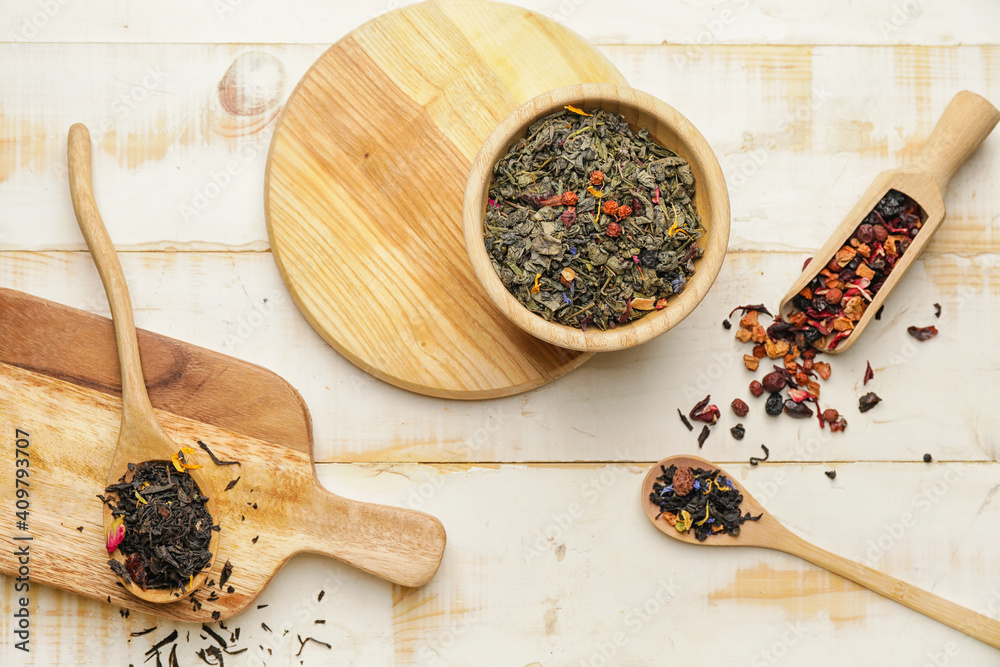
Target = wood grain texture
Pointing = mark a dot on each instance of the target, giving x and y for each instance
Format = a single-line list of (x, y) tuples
[(364, 191), (689, 24), (667, 127), (72, 432), (769, 533), (964, 125)]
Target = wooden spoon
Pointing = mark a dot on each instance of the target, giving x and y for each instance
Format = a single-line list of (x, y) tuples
[(141, 437), (769, 534), (964, 125)]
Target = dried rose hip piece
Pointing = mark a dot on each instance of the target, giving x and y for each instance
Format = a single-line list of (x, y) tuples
[(796, 409), (756, 388), (740, 407), (774, 381)]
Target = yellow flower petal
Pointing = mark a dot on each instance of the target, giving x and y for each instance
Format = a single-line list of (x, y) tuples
[(140, 498), (577, 111)]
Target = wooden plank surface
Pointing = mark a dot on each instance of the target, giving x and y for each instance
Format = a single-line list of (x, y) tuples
[(803, 104)]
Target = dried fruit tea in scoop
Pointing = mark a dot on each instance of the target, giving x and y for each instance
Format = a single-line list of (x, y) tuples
[(830, 306), (589, 222), (161, 525), (702, 501)]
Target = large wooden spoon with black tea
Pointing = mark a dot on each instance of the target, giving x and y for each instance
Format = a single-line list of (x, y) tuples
[(141, 437), (768, 533)]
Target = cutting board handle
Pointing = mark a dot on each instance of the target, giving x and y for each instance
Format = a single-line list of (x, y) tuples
[(399, 545), (965, 123)]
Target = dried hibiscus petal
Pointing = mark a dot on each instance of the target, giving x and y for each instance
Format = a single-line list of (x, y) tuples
[(758, 307), (922, 333), (869, 373), (704, 412)]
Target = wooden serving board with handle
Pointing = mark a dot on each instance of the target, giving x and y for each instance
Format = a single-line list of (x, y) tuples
[(59, 384), (365, 181)]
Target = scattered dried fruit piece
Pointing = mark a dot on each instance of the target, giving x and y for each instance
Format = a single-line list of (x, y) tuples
[(738, 431), (868, 401), (928, 458), (922, 333), (796, 409), (740, 407), (776, 348), (869, 373), (832, 474), (751, 362), (756, 388), (823, 369), (774, 404), (704, 412), (726, 324), (774, 381), (937, 310)]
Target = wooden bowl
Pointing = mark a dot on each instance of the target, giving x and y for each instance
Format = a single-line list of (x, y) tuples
[(667, 127)]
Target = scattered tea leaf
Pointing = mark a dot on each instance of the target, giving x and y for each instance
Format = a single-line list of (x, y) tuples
[(754, 460), (832, 474), (703, 436), (215, 459), (937, 310), (232, 483), (685, 420)]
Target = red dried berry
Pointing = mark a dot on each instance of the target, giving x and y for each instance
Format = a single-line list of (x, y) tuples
[(774, 381), (756, 388), (596, 177), (624, 211), (570, 199), (614, 229), (610, 207), (740, 407)]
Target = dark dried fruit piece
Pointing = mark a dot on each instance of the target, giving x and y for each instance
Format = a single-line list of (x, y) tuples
[(869, 373), (704, 412), (937, 310), (774, 404), (922, 333), (928, 458), (832, 474), (703, 436), (797, 410), (740, 407), (738, 431), (756, 388), (868, 401), (726, 324), (774, 381)]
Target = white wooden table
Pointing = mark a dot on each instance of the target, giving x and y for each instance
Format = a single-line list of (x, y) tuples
[(550, 559)]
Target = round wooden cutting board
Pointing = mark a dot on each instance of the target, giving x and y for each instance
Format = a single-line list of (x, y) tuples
[(365, 181)]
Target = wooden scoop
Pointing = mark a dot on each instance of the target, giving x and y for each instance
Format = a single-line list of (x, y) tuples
[(141, 437), (966, 122), (769, 534)]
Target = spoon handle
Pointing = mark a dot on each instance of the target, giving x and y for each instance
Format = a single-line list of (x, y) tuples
[(975, 625), (135, 400), (965, 123)]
